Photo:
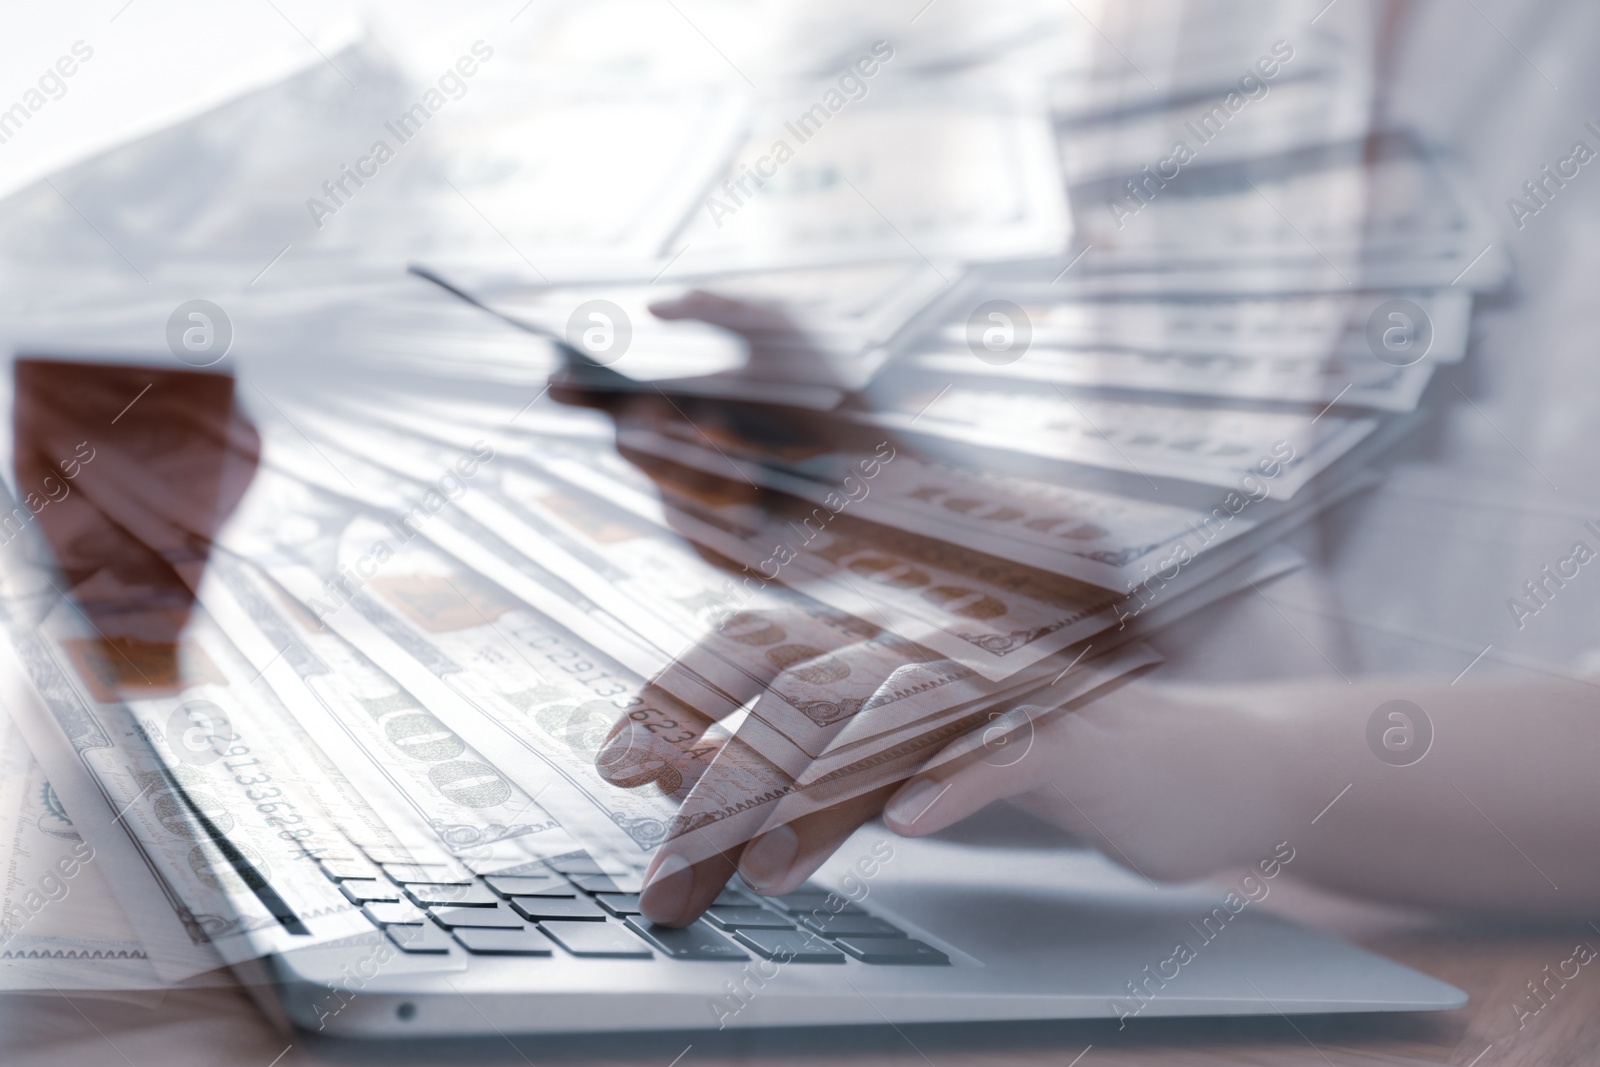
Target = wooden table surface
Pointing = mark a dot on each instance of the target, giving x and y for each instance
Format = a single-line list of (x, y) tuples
[(1493, 963)]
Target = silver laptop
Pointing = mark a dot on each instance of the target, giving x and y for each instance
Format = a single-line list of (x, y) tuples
[(890, 931)]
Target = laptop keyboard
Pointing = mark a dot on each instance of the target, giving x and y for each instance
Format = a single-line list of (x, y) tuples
[(569, 907)]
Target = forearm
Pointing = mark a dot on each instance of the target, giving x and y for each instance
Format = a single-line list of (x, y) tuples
[(1501, 813)]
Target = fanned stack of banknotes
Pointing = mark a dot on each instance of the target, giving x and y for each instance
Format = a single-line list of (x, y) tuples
[(977, 352)]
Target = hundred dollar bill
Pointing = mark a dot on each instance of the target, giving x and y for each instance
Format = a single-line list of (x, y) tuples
[(1373, 213), (820, 676), (348, 574), (506, 680), (862, 188), (831, 677), (845, 683), (1094, 536), (309, 481), (815, 667), (1106, 538), (424, 591), (743, 791), (815, 672), (1357, 380), (1302, 326), (991, 614), (221, 801), (738, 783), (60, 925), (818, 670), (402, 757), (1190, 534), (1374, 350), (1212, 446)]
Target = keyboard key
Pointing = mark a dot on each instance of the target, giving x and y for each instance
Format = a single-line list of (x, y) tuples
[(806, 902), (832, 926), (694, 942), (608, 883), (425, 894), (748, 917), (402, 854), (900, 950), (430, 873), (346, 867), (425, 939), (595, 883), (619, 904), (523, 942), (538, 909), (492, 864), (399, 912), (805, 889), (734, 898), (574, 863), (795, 946), (525, 885), (596, 940), (500, 918), (369, 891)]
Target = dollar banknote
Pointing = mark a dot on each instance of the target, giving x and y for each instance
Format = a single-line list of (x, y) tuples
[(307, 479), (741, 777), (487, 666), (404, 759), (1077, 532), (1143, 438), (1354, 380), (1374, 350), (195, 768), (865, 192), (440, 607), (991, 614), (60, 924), (814, 666), (504, 679), (1374, 213), (584, 479), (998, 613), (644, 577), (1292, 326)]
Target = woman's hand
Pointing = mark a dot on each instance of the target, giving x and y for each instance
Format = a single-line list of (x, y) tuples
[(1479, 798)]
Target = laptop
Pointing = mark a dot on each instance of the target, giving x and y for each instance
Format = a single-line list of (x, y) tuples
[(949, 929)]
